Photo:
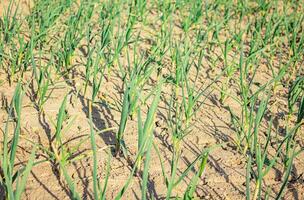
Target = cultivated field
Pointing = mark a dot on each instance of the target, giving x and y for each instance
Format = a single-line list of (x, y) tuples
[(160, 99)]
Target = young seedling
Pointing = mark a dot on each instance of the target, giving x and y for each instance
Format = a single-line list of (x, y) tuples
[(230, 69), (99, 192), (42, 78), (145, 131), (189, 194), (138, 76), (195, 12), (122, 38), (141, 9), (10, 25), (14, 182), (74, 34), (296, 94), (174, 179)]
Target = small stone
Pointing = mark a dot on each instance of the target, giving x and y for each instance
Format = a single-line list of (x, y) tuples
[(239, 162)]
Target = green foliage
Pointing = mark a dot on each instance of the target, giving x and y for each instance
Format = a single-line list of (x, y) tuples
[(165, 60)]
